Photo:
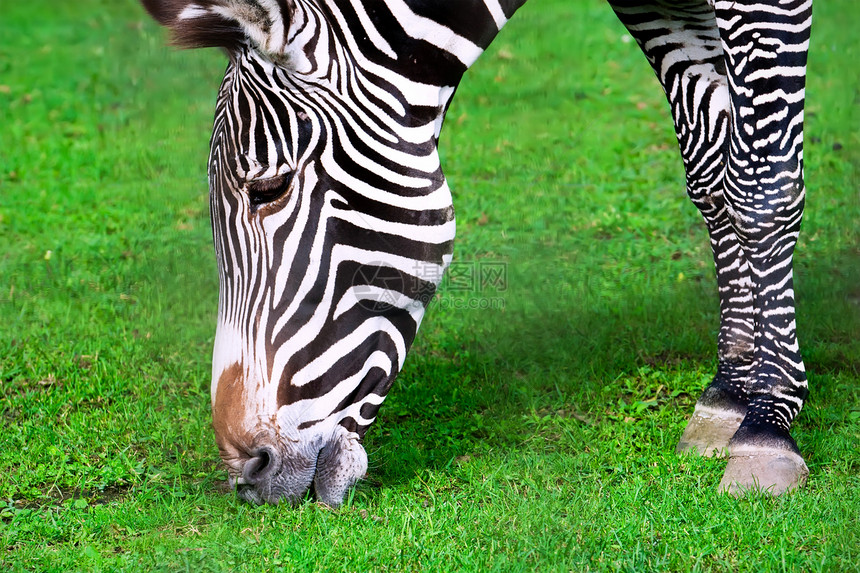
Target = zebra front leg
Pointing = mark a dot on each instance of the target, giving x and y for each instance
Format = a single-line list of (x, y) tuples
[(682, 43), (766, 46), (734, 79), (723, 405)]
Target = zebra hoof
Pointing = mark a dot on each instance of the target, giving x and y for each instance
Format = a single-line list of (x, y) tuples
[(774, 473), (708, 432)]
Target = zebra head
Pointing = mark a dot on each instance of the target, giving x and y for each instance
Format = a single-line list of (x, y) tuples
[(332, 222)]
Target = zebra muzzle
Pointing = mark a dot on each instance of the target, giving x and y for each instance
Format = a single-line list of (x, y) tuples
[(272, 476)]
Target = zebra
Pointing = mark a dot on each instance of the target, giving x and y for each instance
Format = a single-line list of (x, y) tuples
[(333, 222)]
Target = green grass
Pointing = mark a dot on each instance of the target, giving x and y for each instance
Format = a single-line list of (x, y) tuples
[(539, 436)]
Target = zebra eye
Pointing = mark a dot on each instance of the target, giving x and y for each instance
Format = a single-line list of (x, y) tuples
[(262, 191)]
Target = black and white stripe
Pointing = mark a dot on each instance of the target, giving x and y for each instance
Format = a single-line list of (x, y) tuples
[(333, 223)]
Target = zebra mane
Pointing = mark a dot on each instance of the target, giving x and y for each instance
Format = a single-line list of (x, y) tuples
[(224, 24)]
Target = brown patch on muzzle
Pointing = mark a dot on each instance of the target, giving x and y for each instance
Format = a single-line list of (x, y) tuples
[(228, 412)]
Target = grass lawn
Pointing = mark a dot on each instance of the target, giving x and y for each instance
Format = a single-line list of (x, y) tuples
[(531, 429)]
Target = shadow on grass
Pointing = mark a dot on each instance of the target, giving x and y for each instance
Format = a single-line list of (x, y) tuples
[(470, 387)]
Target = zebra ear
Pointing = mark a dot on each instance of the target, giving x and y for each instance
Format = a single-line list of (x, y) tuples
[(225, 23), (197, 23)]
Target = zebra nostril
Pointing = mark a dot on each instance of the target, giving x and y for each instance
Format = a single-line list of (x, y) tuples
[(260, 467)]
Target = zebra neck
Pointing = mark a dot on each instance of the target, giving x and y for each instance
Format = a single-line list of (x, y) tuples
[(429, 45), (438, 40), (427, 41)]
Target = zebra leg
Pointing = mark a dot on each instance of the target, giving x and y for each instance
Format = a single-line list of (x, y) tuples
[(682, 43), (739, 124), (766, 46)]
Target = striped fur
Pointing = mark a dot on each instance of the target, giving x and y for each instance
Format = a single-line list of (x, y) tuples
[(333, 223)]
